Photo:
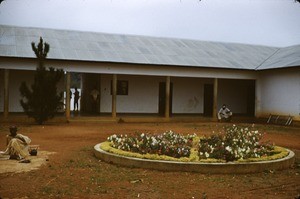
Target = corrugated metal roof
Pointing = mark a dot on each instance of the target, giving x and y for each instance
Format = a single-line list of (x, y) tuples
[(284, 57), (90, 46)]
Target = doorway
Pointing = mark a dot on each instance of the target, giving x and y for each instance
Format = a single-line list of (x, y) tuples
[(208, 100), (90, 82), (251, 98), (162, 98)]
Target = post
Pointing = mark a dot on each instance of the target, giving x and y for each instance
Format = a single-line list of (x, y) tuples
[(167, 108), (68, 95), (6, 93), (215, 103), (114, 96), (257, 98)]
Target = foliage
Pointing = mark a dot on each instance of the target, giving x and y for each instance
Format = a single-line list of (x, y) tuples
[(235, 144), (168, 143), (242, 144), (42, 101)]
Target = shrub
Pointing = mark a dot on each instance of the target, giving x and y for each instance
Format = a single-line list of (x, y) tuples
[(41, 100), (236, 143), (168, 143)]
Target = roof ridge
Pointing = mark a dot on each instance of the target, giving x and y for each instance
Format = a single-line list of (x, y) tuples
[(267, 59)]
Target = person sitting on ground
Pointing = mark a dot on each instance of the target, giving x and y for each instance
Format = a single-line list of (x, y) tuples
[(17, 145), (224, 113)]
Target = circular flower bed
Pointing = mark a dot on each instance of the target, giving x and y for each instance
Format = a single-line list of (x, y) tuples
[(234, 144)]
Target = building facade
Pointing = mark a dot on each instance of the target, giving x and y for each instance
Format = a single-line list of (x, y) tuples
[(155, 76)]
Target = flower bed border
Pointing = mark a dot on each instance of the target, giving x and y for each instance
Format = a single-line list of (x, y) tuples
[(208, 168)]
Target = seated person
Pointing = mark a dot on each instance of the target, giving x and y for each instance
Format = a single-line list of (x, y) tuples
[(224, 113), (17, 145)]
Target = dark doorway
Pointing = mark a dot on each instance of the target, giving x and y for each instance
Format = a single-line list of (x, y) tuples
[(162, 98), (89, 83), (251, 98), (208, 100)]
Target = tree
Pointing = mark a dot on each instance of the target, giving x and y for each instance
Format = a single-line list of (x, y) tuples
[(42, 101)]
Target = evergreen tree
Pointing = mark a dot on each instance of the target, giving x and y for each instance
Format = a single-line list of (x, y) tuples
[(42, 101)]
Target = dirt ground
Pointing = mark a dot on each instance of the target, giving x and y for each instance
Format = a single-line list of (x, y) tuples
[(74, 172)]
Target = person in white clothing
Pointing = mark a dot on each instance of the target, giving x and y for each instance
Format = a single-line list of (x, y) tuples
[(224, 114), (95, 99), (17, 145)]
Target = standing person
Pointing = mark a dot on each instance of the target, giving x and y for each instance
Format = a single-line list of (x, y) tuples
[(76, 98), (17, 145), (224, 113)]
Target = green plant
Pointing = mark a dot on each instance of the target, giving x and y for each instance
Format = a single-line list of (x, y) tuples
[(42, 100), (168, 143), (236, 143)]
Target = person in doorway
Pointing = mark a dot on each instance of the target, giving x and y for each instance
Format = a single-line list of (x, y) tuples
[(17, 146), (95, 96), (224, 114), (76, 98)]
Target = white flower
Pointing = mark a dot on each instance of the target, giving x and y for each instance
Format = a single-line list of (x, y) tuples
[(239, 150), (206, 155), (228, 148), (248, 150)]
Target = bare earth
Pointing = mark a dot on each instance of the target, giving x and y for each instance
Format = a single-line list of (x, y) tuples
[(74, 172)]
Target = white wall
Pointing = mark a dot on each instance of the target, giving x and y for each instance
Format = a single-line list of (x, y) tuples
[(142, 94), (188, 94), (279, 92), (16, 77)]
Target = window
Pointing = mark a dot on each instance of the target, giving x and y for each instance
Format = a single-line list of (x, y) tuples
[(122, 87)]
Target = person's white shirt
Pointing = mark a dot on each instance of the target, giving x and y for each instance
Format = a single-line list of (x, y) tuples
[(94, 94), (224, 112)]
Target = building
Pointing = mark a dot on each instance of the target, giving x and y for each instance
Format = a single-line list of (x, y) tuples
[(155, 76)]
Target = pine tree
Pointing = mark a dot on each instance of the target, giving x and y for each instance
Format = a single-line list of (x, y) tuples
[(42, 101)]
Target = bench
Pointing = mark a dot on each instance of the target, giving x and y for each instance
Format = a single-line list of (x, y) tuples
[(280, 119)]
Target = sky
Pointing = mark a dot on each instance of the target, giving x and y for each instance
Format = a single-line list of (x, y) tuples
[(260, 22)]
